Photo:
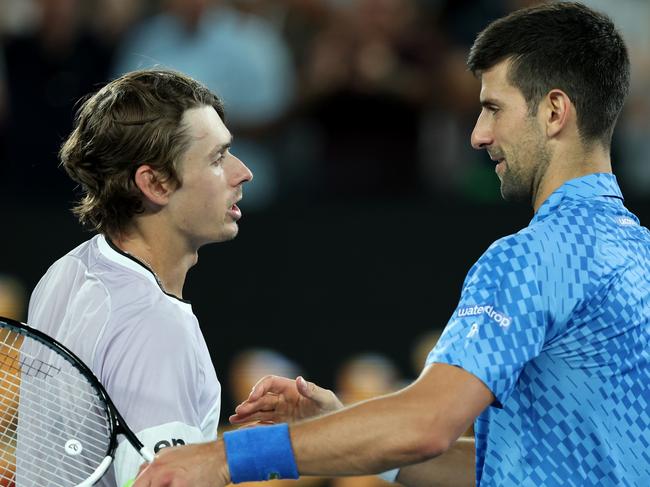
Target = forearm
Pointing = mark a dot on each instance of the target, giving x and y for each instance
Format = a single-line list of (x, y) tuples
[(411, 426), (455, 468)]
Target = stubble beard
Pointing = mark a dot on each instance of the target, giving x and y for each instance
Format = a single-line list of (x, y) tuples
[(524, 168)]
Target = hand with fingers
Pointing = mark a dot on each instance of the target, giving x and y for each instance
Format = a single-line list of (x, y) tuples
[(280, 400), (197, 465)]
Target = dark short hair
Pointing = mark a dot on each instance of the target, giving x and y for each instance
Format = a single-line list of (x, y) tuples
[(133, 120), (565, 46)]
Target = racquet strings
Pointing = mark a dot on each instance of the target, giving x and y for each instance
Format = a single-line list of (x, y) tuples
[(54, 426)]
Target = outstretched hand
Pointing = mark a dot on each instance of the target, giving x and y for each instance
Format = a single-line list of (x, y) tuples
[(197, 465), (280, 400)]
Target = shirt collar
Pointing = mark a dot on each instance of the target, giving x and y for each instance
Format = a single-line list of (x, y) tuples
[(113, 253), (585, 187)]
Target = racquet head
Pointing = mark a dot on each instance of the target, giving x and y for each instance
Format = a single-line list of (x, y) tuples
[(58, 426)]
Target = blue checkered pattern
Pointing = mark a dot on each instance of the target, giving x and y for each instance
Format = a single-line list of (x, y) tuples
[(555, 320)]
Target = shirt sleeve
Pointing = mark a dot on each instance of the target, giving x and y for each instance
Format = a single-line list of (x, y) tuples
[(127, 461), (501, 320)]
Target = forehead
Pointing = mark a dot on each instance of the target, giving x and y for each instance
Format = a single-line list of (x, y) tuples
[(495, 85), (205, 127)]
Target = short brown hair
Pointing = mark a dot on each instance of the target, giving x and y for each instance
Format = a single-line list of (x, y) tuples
[(563, 45), (133, 120)]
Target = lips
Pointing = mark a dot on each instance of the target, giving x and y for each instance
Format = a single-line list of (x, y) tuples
[(500, 165), (234, 212)]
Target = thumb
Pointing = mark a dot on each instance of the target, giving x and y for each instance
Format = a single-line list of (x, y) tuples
[(307, 389), (324, 398)]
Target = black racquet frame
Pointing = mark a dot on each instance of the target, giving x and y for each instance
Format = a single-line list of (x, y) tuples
[(116, 423)]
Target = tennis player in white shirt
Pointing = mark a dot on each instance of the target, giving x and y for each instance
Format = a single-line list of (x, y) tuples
[(151, 154)]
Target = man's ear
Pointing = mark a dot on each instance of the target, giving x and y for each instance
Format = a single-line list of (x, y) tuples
[(557, 109), (153, 187)]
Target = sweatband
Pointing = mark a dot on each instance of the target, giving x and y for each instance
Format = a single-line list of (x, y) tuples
[(389, 475), (262, 453)]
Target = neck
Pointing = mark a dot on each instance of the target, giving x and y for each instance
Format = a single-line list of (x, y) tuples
[(570, 164), (168, 261)]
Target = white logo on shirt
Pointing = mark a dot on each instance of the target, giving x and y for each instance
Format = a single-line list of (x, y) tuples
[(502, 320), (625, 221), (473, 331)]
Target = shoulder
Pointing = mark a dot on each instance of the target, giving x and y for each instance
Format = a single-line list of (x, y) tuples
[(68, 281), (513, 252), (544, 243), (534, 257), (153, 324), (149, 343)]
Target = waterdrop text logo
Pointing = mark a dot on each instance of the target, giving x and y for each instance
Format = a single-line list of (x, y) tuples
[(502, 320), (625, 221)]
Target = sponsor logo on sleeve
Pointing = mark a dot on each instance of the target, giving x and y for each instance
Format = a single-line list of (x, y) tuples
[(502, 320), (625, 221), (167, 443)]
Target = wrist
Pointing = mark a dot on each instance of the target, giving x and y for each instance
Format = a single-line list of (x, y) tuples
[(223, 472), (262, 453)]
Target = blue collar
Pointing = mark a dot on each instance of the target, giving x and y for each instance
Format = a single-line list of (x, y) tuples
[(586, 187)]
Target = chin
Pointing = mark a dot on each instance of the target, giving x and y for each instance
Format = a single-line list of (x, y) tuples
[(224, 235), (228, 233), (514, 196)]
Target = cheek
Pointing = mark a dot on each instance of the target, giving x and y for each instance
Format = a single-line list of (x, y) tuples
[(203, 196), (210, 184)]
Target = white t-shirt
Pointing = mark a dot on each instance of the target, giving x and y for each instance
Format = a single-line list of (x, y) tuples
[(144, 345)]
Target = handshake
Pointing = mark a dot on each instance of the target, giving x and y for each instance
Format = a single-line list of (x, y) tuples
[(272, 400)]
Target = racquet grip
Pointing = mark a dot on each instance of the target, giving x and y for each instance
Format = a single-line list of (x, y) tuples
[(148, 455)]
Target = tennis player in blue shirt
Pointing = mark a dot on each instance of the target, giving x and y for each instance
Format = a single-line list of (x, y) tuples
[(548, 351)]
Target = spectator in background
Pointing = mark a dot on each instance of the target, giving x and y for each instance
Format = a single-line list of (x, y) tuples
[(449, 165), (13, 298), (364, 82), (248, 366), (299, 21), (237, 54), (630, 147), (111, 19), (422, 345), (3, 109), (362, 377), (47, 69)]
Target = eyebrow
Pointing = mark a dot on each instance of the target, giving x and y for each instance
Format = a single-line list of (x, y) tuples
[(489, 101), (220, 148)]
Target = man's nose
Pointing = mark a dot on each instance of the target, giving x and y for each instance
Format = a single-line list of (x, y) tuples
[(482, 136)]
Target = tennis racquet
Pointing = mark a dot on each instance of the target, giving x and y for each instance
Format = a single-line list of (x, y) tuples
[(58, 427)]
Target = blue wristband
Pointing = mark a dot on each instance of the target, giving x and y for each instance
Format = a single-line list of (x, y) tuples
[(262, 453)]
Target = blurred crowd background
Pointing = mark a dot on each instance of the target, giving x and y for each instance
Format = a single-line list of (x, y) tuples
[(327, 98), (368, 205)]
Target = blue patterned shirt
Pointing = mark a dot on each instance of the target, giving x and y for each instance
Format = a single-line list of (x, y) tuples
[(555, 320)]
